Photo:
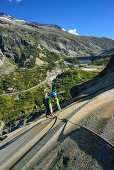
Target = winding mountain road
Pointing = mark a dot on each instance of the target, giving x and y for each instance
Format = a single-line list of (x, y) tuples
[(49, 78), (20, 91)]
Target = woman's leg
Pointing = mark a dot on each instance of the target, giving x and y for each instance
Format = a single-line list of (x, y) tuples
[(47, 111)]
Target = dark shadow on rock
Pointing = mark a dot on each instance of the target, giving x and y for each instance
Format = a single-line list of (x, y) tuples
[(91, 145), (49, 129), (61, 136)]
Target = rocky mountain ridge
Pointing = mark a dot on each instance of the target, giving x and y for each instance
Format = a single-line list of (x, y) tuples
[(26, 43), (13, 21)]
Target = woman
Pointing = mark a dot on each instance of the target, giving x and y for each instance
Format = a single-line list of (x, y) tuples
[(50, 102)]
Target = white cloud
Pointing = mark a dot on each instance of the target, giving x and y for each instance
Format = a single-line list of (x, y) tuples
[(113, 38), (63, 29), (10, 0), (73, 32)]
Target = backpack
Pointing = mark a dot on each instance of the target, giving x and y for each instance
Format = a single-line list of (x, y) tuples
[(45, 101)]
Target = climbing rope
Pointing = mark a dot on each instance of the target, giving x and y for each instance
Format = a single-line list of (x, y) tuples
[(107, 142)]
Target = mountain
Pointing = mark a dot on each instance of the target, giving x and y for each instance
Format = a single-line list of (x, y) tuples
[(34, 54), (65, 141), (6, 19), (30, 44)]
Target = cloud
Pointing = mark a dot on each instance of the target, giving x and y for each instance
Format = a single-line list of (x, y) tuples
[(63, 29), (113, 38), (73, 32)]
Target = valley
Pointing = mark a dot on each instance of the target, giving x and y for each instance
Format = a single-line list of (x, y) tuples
[(36, 59)]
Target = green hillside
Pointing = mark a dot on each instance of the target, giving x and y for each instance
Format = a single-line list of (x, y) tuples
[(32, 53)]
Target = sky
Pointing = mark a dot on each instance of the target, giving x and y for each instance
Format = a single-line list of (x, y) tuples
[(80, 17)]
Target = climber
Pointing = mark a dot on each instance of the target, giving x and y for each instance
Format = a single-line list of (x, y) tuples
[(49, 102)]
